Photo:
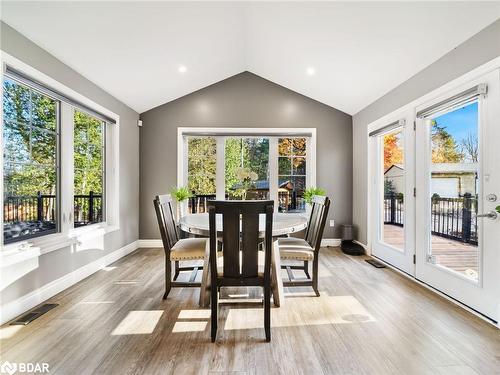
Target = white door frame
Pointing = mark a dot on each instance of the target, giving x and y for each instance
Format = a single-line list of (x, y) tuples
[(483, 295), (402, 259), (410, 107)]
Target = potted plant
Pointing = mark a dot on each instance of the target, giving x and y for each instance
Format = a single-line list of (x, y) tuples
[(180, 194), (498, 209), (310, 192)]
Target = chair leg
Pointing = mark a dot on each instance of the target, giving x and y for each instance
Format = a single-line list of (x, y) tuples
[(315, 275), (176, 275), (168, 278), (267, 312), (306, 268), (214, 304)]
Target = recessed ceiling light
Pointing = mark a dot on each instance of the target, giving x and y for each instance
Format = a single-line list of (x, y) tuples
[(182, 69), (311, 71)]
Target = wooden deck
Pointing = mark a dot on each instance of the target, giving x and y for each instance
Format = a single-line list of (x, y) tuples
[(366, 321), (456, 255)]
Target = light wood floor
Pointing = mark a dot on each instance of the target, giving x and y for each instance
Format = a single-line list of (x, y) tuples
[(367, 321)]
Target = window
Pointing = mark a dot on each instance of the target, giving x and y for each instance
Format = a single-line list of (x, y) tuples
[(291, 173), (243, 163), (247, 168), (88, 146), (30, 133), (202, 165), (56, 153)]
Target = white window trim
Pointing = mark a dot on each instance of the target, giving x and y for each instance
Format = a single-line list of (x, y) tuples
[(68, 235), (273, 150)]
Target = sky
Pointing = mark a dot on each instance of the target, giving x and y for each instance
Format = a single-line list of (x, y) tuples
[(460, 122)]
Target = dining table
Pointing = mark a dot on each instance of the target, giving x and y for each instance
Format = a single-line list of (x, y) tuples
[(284, 224)]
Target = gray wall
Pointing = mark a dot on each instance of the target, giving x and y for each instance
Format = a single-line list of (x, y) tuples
[(245, 100), (474, 52), (60, 262)]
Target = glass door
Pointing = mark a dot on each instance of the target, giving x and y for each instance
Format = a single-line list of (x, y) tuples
[(458, 185), (391, 148)]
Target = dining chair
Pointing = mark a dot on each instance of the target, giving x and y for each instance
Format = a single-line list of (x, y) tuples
[(177, 250), (306, 249), (239, 264)]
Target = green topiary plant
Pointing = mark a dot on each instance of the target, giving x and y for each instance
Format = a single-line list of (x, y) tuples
[(498, 209), (310, 192), (181, 193)]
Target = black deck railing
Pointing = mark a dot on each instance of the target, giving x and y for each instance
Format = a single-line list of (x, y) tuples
[(41, 208), (88, 209), (454, 218), (197, 204)]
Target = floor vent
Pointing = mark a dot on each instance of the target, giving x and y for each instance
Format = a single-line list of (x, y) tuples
[(32, 315), (375, 263)]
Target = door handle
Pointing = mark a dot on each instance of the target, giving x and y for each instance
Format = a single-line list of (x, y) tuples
[(490, 215)]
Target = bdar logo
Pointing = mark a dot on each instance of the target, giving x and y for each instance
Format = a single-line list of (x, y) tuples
[(8, 368)]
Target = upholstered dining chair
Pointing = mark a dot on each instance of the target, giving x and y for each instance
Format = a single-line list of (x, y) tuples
[(177, 250), (240, 264), (305, 249)]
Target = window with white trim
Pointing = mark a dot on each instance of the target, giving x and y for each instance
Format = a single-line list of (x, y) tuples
[(46, 190), (246, 165)]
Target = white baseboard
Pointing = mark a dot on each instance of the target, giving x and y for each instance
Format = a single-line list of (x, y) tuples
[(17, 307), (149, 243), (334, 242)]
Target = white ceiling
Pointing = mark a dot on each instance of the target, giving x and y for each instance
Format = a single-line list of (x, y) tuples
[(359, 51)]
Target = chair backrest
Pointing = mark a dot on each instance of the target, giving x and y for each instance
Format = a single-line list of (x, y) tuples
[(166, 221), (249, 213), (317, 220)]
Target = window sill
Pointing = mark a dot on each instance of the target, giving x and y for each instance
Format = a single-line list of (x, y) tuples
[(25, 250), (11, 256), (93, 230)]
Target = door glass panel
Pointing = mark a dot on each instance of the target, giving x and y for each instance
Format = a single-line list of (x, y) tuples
[(247, 168), (454, 190), (392, 231)]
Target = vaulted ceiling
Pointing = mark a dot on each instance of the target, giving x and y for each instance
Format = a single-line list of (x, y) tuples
[(344, 54)]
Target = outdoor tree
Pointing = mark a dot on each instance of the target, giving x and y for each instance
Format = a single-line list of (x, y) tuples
[(470, 148), (444, 146), (202, 164), (393, 150), (29, 141)]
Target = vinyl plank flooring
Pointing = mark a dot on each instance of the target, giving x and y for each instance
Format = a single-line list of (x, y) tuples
[(366, 321)]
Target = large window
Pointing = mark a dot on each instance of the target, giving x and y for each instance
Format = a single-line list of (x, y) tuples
[(30, 162), (251, 166), (54, 163), (88, 145)]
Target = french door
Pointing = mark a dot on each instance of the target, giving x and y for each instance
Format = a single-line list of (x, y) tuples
[(435, 186), (458, 189), (392, 198)]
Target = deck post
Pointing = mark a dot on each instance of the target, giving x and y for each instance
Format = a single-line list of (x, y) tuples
[(393, 207), (39, 206), (466, 217)]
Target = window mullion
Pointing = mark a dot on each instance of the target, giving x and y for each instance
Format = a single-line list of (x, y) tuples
[(273, 171), (67, 166), (220, 180)]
